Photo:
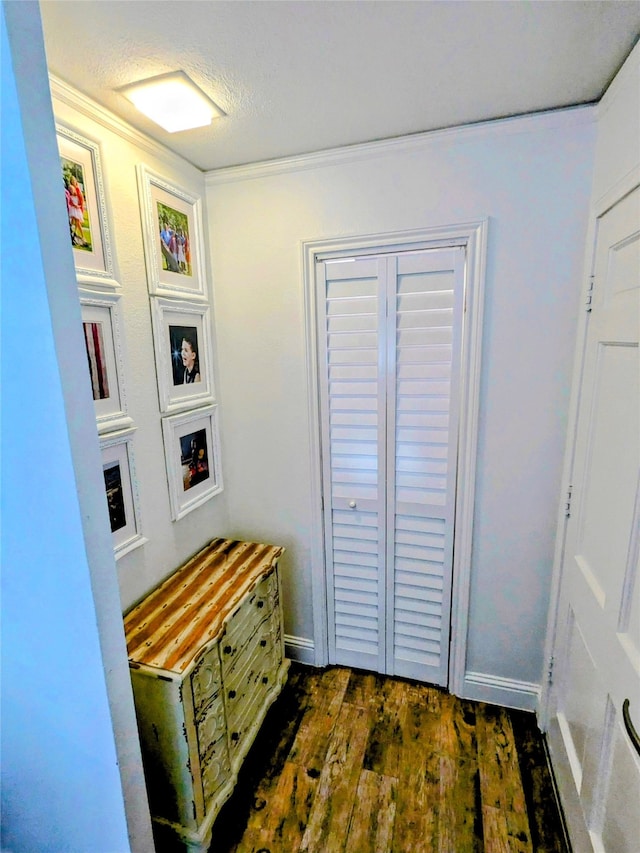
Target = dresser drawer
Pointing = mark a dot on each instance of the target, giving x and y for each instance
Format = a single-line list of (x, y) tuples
[(210, 726), (206, 679), (242, 714), (249, 684), (266, 636), (239, 689), (248, 620), (241, 722), (215, 768)]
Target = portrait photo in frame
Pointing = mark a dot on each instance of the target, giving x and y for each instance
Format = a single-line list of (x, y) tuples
[(121, 490), (101, 327), (184, 362), (83, 187), (192, 451), (173, 237)]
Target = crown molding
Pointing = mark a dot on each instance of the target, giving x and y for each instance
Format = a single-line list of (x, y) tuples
[(70, 96), (547, 120), (630, 68)]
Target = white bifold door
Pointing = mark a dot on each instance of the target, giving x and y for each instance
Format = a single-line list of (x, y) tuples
[(390, 331)]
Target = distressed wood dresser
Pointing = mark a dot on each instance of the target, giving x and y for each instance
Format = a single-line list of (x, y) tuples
[(206, 657)]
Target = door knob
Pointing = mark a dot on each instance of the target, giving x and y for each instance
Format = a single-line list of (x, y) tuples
[(631, 731), (352, 504)]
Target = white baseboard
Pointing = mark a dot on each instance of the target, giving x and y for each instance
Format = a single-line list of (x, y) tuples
[(300, 649), (522, 695)]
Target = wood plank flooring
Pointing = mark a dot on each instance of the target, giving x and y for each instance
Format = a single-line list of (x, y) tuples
[(351, 762)]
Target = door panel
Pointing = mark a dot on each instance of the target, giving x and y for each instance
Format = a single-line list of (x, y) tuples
[(598, 661), (390, 331), (619, 821), (349, 303), (427, 316), (610, 476)]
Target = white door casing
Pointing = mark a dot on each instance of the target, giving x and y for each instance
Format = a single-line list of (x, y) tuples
[(384, 259), (597, 640)]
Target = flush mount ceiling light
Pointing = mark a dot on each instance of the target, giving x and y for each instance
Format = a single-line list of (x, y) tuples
[(173, 101)]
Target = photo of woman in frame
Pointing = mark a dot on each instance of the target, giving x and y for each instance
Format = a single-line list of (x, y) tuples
[(85, 197), (77, 208)]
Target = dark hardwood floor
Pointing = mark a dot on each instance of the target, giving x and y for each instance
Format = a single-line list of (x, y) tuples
[(351, 762)]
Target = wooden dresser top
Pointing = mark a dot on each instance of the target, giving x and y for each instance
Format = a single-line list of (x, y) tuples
[(189, 609)]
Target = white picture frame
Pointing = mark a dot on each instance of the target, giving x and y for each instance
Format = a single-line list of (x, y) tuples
[(121, 490), (86, 207), (169, 216), (192, 452), (102, 332), (184, 353)]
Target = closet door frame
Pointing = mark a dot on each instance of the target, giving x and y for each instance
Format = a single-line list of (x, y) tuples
[(472, 236)]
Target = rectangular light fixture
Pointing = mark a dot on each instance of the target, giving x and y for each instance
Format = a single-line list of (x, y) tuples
[(173, 101)]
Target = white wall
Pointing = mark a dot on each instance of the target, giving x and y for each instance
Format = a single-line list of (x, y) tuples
[(67, 781), (532, 178), (65, 679), (122, 149)]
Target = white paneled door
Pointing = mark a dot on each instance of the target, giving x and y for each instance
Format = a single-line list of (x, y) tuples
[(598, 635), (390, 331)]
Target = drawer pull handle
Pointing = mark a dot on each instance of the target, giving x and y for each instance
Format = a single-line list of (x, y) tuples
[(227, 650), (263, 643), (631, 729), (235, 736), (232, 694), (260, 605)]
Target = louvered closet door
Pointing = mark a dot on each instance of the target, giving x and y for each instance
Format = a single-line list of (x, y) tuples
[(389, 350), (353, 345), (422, 426)]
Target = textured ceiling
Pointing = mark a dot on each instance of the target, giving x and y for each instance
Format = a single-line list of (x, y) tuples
[(302, 76)]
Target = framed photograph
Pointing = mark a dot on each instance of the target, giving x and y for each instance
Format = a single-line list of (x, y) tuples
[(184, 363), (173, 239), (83, 187), (101, 327), (192, 451), (122, 492)]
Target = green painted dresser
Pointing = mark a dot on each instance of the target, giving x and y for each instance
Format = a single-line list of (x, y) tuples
[(206, 656)]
